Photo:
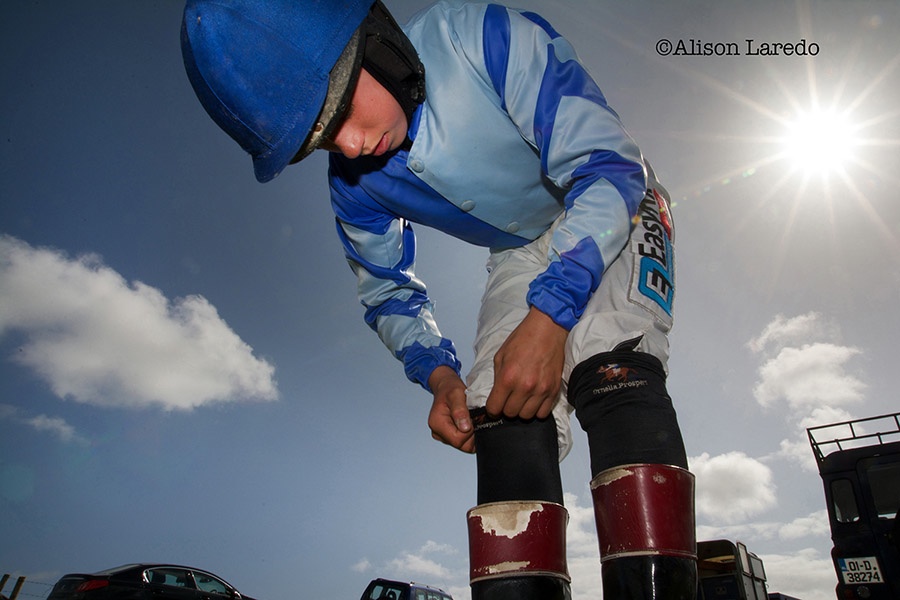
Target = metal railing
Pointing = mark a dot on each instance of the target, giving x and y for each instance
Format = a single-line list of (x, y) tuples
[(23, 588), (887, 429)]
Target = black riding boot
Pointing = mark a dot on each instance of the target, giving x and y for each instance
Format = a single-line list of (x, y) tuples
[(643, 494), (517, 547)]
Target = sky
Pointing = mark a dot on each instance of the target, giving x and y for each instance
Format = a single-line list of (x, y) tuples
[(185, 375)]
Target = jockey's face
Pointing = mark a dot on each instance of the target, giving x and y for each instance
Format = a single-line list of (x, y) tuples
[(374, 123)]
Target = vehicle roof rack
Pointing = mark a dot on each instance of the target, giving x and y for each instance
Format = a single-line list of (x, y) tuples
[(856, 433)]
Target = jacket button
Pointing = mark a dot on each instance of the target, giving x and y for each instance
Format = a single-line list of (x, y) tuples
[(417, 165), (512, 227), (468, 205)]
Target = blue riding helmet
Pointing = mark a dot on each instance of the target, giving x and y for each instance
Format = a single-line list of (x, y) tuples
[(275, 75)]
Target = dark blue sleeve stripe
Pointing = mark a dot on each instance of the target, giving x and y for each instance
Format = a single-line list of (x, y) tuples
[(406, 308), (396, 273), (563, 290), (560, 79), (542, 23), (348, 200), (626, 176), (495, 36)]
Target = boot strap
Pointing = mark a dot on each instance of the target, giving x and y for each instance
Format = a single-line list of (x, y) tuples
[(508, 539), (645, 509)]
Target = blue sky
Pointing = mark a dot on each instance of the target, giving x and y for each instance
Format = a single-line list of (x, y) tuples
[(185, 375)]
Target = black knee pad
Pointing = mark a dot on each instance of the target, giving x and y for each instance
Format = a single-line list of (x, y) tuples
[(621, 402), (517, 459)]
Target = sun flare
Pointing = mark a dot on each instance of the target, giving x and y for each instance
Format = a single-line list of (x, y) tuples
[(819, 141)]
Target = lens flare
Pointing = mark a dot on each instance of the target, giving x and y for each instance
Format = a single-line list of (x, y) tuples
[(820, 141)]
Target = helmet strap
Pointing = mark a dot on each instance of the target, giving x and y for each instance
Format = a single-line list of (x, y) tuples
[(392, 60)]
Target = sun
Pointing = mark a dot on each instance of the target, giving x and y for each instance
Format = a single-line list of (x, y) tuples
[(819, 141)]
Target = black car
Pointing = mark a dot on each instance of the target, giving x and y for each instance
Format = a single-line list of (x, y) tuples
[(143, 582), (386, 589)]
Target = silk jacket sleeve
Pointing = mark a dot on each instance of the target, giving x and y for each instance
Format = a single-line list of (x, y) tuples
[(380, 249), (583, 148)]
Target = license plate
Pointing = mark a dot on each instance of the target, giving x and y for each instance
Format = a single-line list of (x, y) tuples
[(860, 570)]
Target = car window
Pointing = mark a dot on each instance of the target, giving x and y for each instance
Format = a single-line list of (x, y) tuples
[(169, 576), (844, 501), (382, 591), (426, 594), (208, 583), (885, 483)]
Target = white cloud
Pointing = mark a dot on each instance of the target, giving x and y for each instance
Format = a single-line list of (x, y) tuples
[(814, 524), (417, 563), (809, 376), (804, 366), (804, 378), (97, 339), (824, 414), (732, 487), (804, 372), (804, 574), (362, 566), (57, 427), (432, 547), (459, 592), (53, 425), (746, 531), (581, 533), (417, 566), (783, 331), (796, 451), (583, 551)]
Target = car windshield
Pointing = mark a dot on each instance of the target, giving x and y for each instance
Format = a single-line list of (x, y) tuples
[(386, 591)]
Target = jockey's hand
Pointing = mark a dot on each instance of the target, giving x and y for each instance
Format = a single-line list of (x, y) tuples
[(528, 369), (449, 418)]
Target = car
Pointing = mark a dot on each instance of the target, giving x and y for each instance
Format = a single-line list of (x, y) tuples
[(387, 589), (143, 582)]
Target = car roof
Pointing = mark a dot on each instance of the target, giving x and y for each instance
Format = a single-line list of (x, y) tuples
[(427, 587), (145, 566), (411, 584)]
